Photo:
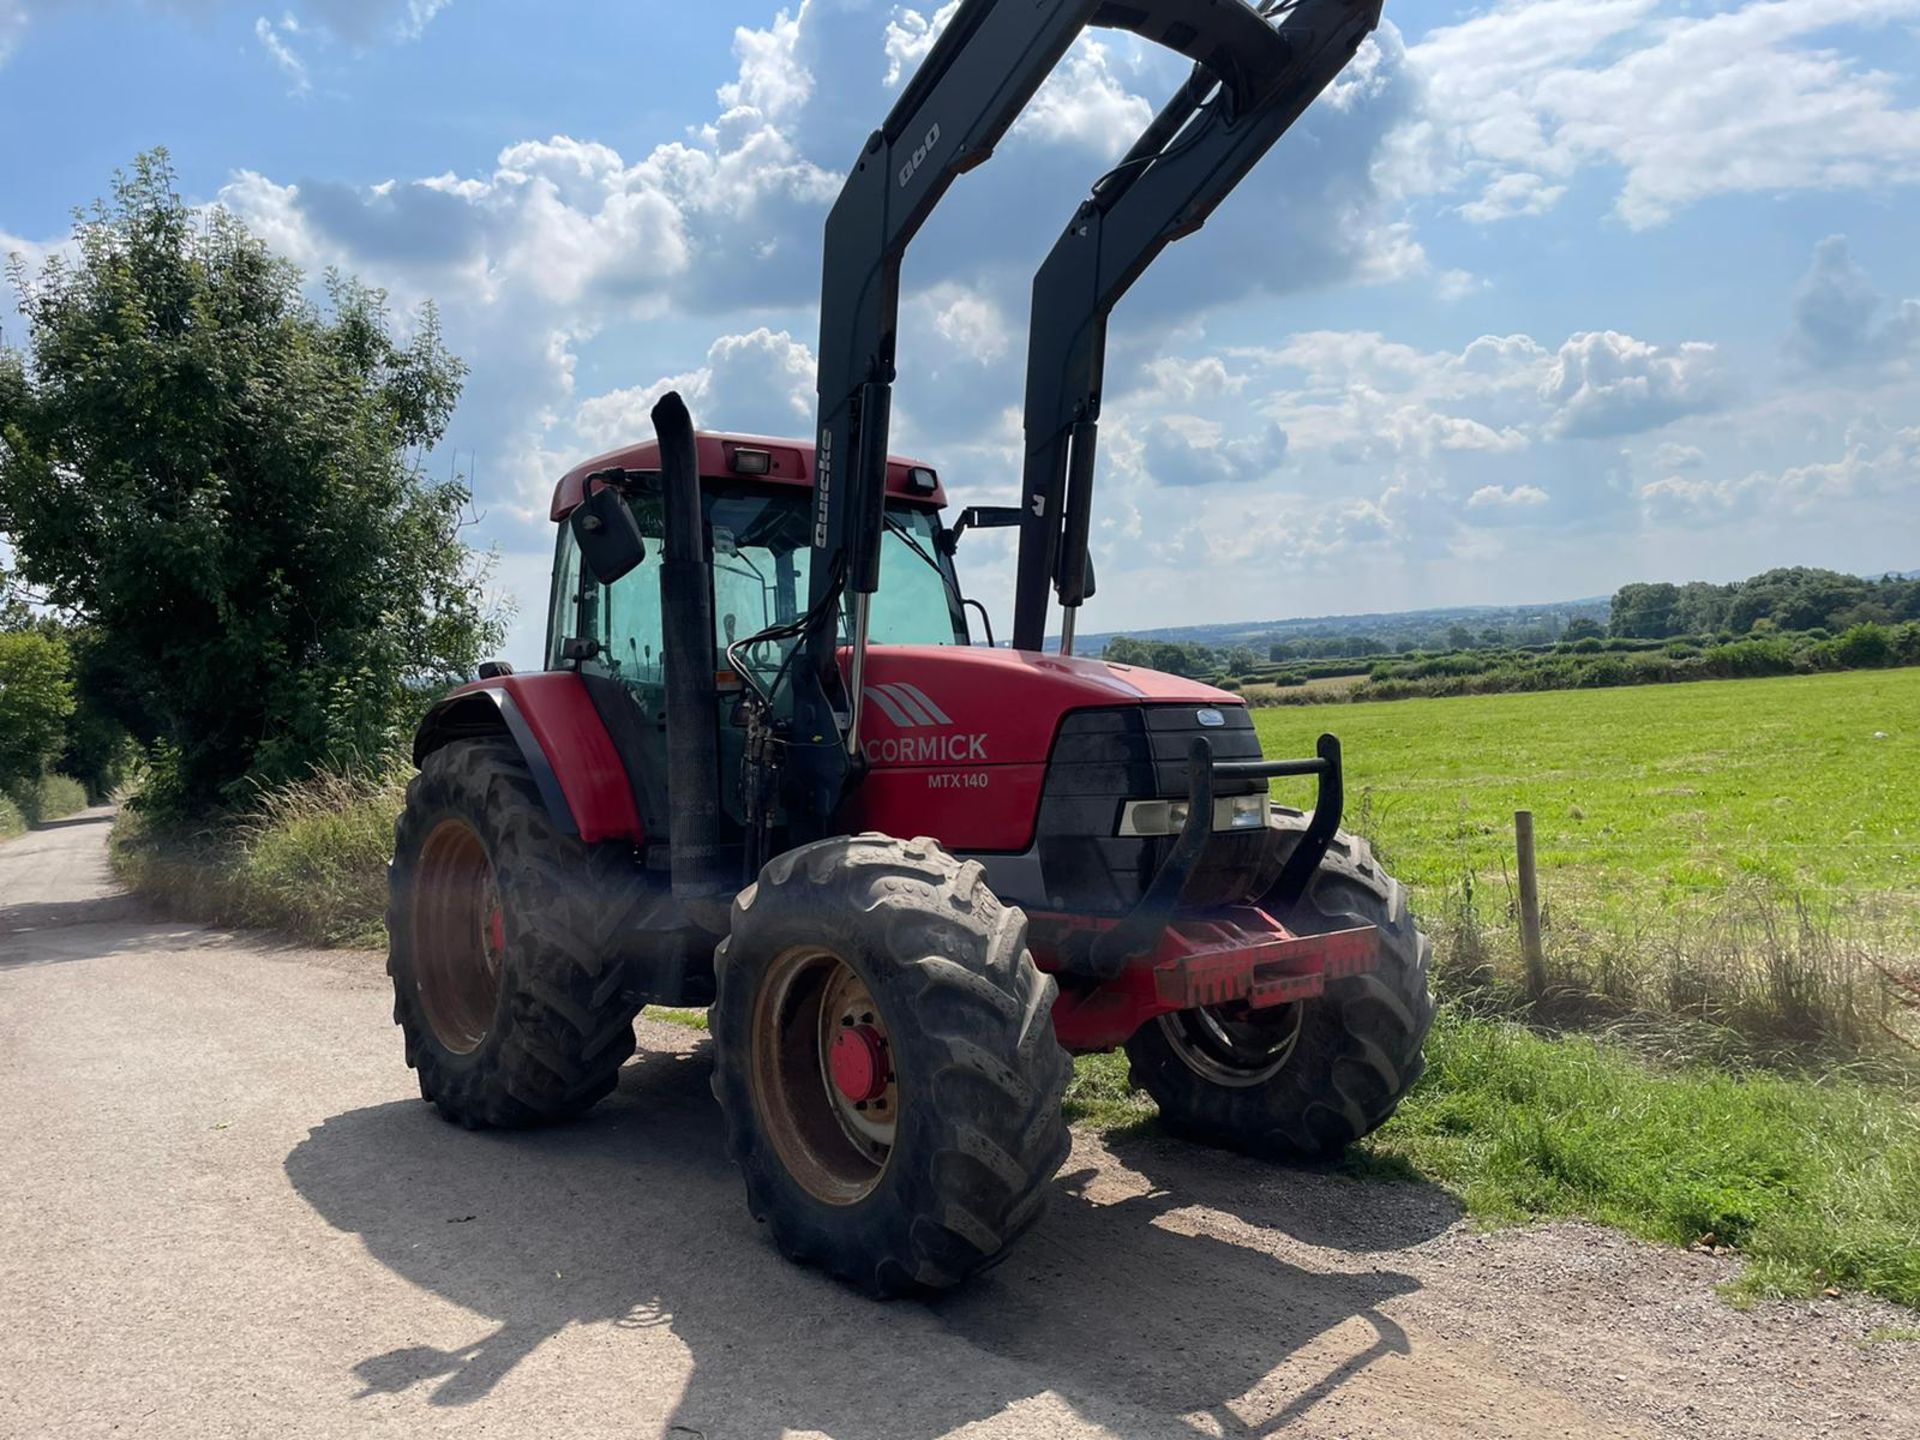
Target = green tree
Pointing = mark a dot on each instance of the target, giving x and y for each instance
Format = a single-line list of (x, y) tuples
[(223, 480), (36, 697), (1582, 628), (1646, 612)]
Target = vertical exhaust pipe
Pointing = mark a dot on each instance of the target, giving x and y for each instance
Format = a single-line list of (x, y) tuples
[(699, 858)]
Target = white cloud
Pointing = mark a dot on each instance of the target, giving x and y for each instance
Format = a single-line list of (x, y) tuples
[(772, 81), (909, 36), (1672, 457), (1684, 104), (1183, 382), (1875, 468), (13, 25), (1189, 450), (1840, 319), (1519, 192), (277, 41), (1494, 497), (1084, 103), (1364, 399), (968, 322), (760, 382), (1605, 383)]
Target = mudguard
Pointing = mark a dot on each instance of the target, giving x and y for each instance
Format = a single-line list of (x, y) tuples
[(552, 720)]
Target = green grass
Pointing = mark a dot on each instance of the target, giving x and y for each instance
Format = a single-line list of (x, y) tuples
[(673, 1015), (1644, 796), (1815, 1182), (12, 822)]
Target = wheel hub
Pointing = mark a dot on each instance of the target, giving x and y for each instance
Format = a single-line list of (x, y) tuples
[(858, 1063), (823, 1074), (1236, 1050), (459, 935)]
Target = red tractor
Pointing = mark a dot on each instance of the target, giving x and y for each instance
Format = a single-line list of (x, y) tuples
[(911, 873)]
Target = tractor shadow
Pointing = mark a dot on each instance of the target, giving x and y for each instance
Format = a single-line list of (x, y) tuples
[(1132, 1305)]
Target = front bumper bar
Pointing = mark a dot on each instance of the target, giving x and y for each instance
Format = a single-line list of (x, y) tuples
[(1139, 934)]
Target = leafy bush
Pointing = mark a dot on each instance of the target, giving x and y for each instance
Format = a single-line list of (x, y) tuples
[(12, 822), (45, 797), (36, 697), (1865, 647)]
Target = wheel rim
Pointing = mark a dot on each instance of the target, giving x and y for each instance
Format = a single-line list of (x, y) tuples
[(459, 936), (1235, 1050), (823, 1078)]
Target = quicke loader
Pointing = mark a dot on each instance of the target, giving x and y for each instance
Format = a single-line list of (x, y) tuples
[(910, 872)]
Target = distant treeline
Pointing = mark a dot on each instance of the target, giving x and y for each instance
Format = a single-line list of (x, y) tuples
[(1783, 622), (1798, 598), (1597, 664)]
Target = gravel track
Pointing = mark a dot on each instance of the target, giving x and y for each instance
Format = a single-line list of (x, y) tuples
[(226, 1212)]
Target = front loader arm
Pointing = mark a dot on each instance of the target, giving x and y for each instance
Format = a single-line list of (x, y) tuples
[(977, 77), (1189, 159)]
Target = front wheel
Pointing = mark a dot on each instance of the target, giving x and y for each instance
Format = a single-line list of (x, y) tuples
[(886, 1063), (1307, 1079)]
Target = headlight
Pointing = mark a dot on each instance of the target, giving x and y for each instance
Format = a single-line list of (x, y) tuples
[(1166, 817)]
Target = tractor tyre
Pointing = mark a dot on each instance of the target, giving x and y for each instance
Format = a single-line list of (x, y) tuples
[(1304, 1080), (886, 1064), (503, 945)]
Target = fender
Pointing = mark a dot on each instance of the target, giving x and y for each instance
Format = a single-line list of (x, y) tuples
[(560, 735)]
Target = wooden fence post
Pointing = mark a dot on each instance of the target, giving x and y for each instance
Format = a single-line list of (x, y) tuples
[(1530, 946)]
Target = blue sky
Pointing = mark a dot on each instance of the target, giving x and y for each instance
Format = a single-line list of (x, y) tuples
[(1544, 296)]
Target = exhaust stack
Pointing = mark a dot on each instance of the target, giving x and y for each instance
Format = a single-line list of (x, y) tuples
[(702, 865)]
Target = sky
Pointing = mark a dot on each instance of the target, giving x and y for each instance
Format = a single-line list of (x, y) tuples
[(1541, 297)]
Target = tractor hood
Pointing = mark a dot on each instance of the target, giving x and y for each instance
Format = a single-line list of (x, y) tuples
[(949, 705)]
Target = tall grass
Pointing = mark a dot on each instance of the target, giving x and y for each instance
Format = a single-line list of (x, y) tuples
[(1741, 975), (309, 859)]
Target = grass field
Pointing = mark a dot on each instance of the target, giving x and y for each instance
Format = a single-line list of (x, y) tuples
[(1646, 795)]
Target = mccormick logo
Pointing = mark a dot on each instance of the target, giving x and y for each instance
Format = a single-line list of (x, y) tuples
[(911, 708)]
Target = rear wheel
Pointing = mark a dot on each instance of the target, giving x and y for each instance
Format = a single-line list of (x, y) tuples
[(1311, 1078), (505, 944), (886, 1063)]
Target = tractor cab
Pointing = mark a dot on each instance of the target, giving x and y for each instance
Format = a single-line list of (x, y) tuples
[(757, 509)]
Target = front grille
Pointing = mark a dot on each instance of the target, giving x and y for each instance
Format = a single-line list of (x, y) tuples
[(1103, 758)]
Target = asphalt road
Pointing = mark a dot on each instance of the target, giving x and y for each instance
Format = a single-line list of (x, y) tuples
[(224, 1211)]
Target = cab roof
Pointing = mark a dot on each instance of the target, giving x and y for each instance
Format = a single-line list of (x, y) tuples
[(789, 462)]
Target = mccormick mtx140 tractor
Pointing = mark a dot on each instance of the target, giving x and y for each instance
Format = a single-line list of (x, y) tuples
[(771, 767)]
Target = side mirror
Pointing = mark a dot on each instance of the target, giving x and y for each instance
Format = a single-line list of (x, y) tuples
[(608, 536)]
